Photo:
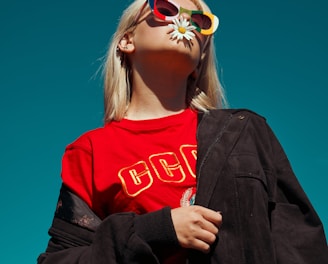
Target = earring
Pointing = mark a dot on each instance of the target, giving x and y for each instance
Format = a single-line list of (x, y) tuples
[(118, 49)]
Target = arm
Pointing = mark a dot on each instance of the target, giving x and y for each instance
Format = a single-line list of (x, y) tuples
[(78, 235)]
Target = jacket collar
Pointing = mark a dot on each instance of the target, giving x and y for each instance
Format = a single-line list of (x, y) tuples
[(217, 133)]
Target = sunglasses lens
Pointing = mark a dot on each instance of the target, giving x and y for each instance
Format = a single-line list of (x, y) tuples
[(202, 21), (166, 8)]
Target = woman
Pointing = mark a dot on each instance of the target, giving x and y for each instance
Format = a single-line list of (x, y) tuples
[(169, 179)]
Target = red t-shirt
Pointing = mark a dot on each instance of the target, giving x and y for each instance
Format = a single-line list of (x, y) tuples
[(138, 166)]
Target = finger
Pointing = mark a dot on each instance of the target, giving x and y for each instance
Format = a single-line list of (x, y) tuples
[(212, 216), (200, 245), (208, 226), (206, 236)]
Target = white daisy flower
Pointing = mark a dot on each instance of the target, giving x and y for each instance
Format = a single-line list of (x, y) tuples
[(182, 29)]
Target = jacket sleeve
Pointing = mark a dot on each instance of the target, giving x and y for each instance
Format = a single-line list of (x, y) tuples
[(79, 236), (296, 228)]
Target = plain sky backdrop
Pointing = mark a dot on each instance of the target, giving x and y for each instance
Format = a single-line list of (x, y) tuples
[(272, 57)]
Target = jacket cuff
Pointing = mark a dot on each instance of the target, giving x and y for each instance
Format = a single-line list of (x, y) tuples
[(157, 228)]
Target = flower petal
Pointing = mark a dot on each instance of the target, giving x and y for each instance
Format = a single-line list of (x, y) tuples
[(179, 34)]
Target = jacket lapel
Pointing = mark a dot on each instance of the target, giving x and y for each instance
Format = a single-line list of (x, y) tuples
[(217, 134)]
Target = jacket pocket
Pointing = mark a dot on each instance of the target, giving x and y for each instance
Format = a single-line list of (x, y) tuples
[(248, 167), (252, 202)]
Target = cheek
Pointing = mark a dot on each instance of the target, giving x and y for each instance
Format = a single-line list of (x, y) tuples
[(150, 33)]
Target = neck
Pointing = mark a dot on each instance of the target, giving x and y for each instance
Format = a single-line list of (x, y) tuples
[(156, 93)]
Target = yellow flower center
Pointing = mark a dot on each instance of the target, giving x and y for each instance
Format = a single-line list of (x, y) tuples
[(182, 30)]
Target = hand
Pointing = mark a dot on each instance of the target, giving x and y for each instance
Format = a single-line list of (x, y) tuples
[(196, 226)]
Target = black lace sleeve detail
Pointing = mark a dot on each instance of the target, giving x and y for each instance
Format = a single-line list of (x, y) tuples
[(73, 209)]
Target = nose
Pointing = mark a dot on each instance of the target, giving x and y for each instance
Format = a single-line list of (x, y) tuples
[(185, 15)]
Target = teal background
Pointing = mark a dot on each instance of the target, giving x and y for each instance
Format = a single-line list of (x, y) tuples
[(272, 56)]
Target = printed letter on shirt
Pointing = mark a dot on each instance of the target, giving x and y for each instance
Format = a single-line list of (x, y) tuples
[(135, 178), (167, 167)]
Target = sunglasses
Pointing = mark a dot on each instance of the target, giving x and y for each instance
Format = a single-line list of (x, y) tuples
[(167, 10)]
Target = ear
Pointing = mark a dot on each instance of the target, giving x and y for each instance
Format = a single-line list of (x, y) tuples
[(126, 44)]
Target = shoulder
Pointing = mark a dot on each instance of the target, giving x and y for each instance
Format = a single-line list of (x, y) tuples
[(87, 139), (235, 120), (248, 124), (224, 115), (236, 113)]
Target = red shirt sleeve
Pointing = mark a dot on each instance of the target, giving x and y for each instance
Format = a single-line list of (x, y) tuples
[(77, 168)]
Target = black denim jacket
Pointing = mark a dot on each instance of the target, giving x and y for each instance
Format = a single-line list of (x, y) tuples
[(243, 172)]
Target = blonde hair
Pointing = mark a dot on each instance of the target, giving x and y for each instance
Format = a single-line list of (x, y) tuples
[(204, 91)]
